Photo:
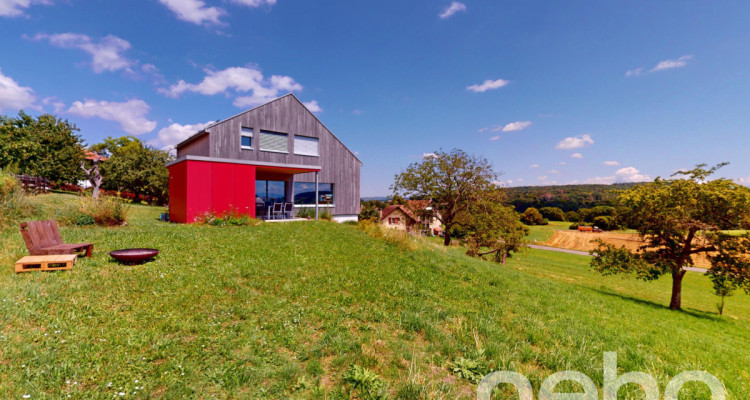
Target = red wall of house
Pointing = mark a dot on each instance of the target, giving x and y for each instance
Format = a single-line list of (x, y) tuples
[(198, 187)]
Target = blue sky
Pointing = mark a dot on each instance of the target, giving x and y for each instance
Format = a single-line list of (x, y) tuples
[(551, 92)]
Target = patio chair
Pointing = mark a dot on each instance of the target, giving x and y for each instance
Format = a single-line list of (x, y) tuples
[(278, 209), (42, 238), (289, 210)]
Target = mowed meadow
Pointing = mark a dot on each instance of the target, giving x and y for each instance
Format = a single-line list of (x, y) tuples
[(318, 310)]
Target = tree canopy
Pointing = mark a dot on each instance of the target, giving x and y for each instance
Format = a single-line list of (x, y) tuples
[(45, 146), (134, 167), (678, 219), (449, 179)]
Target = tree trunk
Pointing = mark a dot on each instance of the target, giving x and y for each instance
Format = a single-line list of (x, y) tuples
[(505, 256), (676, 303), (95, 193), (447, 241)]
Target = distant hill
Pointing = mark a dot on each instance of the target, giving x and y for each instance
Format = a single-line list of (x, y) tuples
[(566, 197)]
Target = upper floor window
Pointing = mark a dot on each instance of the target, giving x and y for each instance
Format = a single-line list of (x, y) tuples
[(305, 146), (274, 141), (246, 138)]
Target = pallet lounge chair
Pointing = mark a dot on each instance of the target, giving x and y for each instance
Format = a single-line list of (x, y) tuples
[(42, 238)]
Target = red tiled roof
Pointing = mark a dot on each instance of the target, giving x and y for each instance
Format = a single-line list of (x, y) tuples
[(390, 209), (90, 155)]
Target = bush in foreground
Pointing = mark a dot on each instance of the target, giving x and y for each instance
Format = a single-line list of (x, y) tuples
[(230, 218), (104, 211), (14, 206)]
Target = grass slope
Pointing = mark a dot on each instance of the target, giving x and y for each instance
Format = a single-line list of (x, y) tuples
[(283, 310)]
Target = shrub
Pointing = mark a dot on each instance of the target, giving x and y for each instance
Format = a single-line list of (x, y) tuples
[(229, 218), (14, 205), (309, 212), (397, 237), (368, 383), (532, 216), (573, 226), (83, 220), (105, 211)]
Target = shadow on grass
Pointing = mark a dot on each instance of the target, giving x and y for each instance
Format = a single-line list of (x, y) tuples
[(689, 311)]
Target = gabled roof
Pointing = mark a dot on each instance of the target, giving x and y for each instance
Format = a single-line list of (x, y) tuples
[(390, 209), (207, 129)]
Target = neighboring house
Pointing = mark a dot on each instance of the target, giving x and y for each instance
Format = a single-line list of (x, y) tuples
[(398, 217), (421, 208), (274, 153)]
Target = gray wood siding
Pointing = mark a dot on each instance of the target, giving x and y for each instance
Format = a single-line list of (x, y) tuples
[(288, 115), (198, 147)]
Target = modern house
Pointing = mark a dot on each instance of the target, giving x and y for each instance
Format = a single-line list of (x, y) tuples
[(278, 152)]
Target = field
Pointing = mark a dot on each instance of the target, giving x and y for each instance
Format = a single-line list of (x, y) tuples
[(283, 311)]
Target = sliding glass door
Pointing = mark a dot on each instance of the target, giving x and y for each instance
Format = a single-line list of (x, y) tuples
[(266, 194)]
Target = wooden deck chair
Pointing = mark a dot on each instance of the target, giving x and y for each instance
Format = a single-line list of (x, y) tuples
[(43, 238)]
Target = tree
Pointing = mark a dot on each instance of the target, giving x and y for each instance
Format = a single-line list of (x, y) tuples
[(134, 167), (93, 175), (44, 146), (532, 216), (678, 219), (493, 226), (370, 211), (449, 180), (552, 213)]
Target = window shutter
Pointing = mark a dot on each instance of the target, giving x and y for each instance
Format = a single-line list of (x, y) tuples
[(272, 141), (306, 146)]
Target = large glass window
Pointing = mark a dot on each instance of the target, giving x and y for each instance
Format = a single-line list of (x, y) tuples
[(305, 146), (267, 193), (304, 193), (273, 141), (246, 138)]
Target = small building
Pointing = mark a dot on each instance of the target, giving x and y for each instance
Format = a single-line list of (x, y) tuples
[(399, 217), (278, 152), (414, 217)]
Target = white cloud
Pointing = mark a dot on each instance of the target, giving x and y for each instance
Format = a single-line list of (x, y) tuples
[(241, 80), (543, 178), (195, 11), (577, 142), (534, 166), (612, 163), (106, 55), (313, 106), (58, 105), (14, 8), (562, 163), (553, 171), (429, 155), (254, 3), (452, 9), (519, 180), (661, 66), (670, 64), (495, 137), (577, 155), (627, 174), (175, 133), (488, 85), (516, 126), (131, 115), (631, 174), (634, 72), (14, 96)]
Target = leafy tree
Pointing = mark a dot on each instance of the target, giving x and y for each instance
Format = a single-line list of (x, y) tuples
[(606, 223), (370, 211), (134, 167), (678, 219), (493, 226), (398, 200), (572, 216), (553, 213), (532, 216), (45, 146), (449, 180)]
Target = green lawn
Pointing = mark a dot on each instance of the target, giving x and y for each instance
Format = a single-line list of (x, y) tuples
[(542, 233), (283, 310)]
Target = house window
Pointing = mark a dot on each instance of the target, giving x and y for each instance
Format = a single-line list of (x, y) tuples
[(304, 193), (246, 138), (394, 221), (305, 146), (273, 141)]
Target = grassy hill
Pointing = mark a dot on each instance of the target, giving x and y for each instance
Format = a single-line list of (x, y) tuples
[(285, 310)]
